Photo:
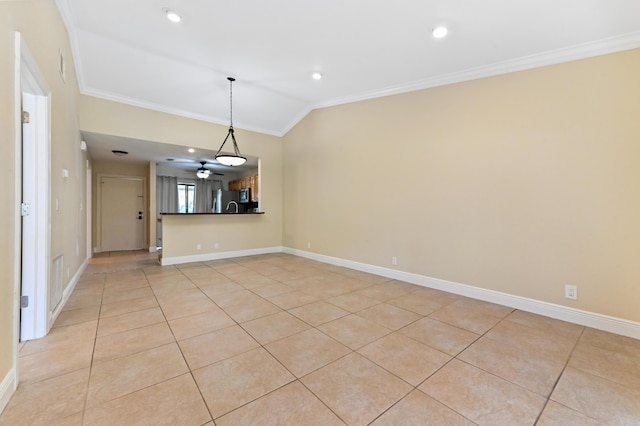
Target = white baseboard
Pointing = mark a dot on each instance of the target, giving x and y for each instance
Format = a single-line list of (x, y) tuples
[(7, 388), (67, 293), (216, 256), (564, 313)]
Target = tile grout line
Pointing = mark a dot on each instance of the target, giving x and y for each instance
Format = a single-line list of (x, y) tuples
[(95, 340), (180, 349), (296, 379), (555, 384), (351, 351)]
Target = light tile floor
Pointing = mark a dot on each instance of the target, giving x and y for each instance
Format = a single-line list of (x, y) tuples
[(281, 340)]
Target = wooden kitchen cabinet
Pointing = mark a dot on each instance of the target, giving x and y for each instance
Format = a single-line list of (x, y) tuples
[(255, 188), (247, 182)]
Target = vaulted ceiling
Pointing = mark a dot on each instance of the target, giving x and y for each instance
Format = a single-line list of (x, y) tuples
[(128, 51)]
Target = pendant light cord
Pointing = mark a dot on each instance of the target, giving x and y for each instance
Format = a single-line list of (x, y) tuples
[(231, 80), (237, 159)]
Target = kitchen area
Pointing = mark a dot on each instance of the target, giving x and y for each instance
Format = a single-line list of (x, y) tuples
[(186, 197), (243, 194), (192, 211)]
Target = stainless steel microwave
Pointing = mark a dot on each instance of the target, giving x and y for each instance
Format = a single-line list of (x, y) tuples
[(245, 195)]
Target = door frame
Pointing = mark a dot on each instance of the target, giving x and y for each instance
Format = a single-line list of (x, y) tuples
[(29, 83), (88, 202), (98, 246)]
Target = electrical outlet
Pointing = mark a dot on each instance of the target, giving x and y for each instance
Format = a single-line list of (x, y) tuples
[(198, 246), (394, 261), (571, 292), (216, 246), (308, 245)]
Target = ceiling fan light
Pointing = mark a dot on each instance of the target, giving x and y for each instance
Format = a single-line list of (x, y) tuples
[(440, 31), (203, 174), (171, 15)]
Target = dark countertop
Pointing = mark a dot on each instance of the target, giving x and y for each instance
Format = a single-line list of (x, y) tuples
[(208, 214)]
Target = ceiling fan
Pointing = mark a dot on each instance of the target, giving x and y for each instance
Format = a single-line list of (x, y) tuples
[(204, 173)]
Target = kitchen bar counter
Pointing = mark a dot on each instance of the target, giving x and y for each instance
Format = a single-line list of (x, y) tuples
[(208, 214), (199, 237)]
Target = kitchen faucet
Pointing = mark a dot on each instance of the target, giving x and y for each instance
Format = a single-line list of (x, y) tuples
[(232, 202)]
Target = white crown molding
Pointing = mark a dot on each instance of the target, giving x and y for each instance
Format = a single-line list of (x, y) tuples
[(67, 19), (177, 260), (564, 313), (572, 53), (173, 111)]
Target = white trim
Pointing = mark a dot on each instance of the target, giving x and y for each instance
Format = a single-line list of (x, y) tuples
[(164, 261), (564, 313), (553, 57), (67, 292), (17, 237), (31, 87), (88, 202), (114, 97), (571, 53), (7, 388)]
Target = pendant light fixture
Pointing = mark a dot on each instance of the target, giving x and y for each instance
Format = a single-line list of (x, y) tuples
[(235, 159)]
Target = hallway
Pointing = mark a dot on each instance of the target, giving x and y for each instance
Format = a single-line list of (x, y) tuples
[(282, 340)]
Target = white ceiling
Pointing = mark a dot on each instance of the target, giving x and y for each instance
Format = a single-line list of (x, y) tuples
[(127, 51)]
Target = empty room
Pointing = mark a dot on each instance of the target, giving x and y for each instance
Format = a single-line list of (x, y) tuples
[(342, 213)]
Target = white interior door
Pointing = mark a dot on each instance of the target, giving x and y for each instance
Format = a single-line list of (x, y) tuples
[(33, 183), (122, 213)]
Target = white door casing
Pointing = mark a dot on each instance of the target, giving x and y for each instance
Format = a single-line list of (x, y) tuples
[(33, 167)]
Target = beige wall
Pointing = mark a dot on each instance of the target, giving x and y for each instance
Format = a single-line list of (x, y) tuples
[(519, 183), (181, 234), (43, 31), (101, 116)]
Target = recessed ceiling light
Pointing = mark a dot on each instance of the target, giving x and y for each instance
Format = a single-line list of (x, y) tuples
[(316, 76), (440, 31), (191, 150), (171, 15)]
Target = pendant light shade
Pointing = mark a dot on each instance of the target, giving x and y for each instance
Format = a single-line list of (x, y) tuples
[(235, 159)]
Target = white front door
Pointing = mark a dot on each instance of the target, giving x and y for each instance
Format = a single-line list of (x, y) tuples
[(122, 213)]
